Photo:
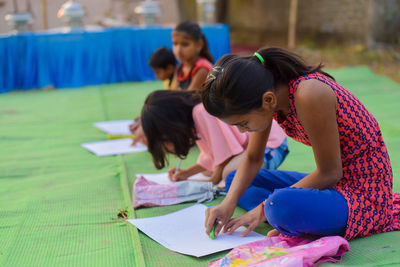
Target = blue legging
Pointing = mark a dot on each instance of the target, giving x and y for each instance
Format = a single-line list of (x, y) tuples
[(295, 211)]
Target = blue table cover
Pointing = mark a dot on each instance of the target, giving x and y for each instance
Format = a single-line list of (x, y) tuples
[(79, 58)]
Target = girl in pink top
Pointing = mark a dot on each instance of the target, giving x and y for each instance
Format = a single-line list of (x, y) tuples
[(175, 121)]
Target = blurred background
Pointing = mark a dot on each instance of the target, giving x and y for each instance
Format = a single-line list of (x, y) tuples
[(340, 32), (366, 22)]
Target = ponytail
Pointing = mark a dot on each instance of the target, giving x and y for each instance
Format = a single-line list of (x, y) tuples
[(204, 52), (236, 84), (286, 66)]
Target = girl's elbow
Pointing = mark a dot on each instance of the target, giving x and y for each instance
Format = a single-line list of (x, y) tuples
[(335, 176), (338, 176), (331, 176)]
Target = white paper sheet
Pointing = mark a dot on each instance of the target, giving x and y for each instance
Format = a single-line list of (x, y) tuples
[(114, 147), (183, 231), (120, 127), (162, 178)]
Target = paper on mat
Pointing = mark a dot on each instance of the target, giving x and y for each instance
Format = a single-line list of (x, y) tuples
[(162, 178), (183, 231), (114, 147), (120, 127)]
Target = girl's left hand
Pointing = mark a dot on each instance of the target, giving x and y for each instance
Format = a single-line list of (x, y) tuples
[(135, 124), (139, 136), (215, 178), (252, 218)]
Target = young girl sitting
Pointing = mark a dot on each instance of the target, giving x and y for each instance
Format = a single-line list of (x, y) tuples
[(190, 47), (175, 121), (349, 193)]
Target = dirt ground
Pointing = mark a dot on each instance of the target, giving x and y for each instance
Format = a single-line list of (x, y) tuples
[(384, 60)]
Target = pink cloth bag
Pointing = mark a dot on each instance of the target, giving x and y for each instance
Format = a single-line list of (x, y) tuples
[(150, 194), (285, 251)]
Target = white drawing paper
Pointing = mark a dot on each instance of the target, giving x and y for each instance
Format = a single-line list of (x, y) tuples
[(114, 147), (183, 231), (120, 127)]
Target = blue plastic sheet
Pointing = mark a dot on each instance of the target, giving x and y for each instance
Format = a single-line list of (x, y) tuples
[(79, 58)]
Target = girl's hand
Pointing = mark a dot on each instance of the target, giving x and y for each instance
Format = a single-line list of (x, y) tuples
[(135, 124), (139, 136), (252, 219), (215, 178), (218, 215), (181, 175)]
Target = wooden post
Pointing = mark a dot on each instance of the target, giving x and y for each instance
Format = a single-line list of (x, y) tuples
[(15, 5), (44, 11), (221, 7), (292, 24)]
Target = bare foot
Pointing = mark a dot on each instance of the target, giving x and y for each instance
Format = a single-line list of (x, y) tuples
[(273, 232)]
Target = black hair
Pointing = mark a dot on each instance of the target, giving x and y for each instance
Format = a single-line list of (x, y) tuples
[(167, 117), (193, 30), (236, 84), (162, 58)]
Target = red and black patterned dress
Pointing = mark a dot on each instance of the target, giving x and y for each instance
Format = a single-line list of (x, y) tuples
[(367, 174)]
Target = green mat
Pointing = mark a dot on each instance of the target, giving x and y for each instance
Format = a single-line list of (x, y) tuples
[(59, 203)]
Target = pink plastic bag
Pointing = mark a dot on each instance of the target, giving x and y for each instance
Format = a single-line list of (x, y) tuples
[(285, 251)]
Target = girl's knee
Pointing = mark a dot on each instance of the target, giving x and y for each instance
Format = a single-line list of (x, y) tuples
[(278, 205), (296, 211), (282, 212), (226, 172)]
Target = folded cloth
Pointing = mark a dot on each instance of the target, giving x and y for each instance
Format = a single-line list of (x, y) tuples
[(150, 194), (285, 251)]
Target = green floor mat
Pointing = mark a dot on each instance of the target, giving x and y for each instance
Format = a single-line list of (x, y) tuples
[(59, 203)]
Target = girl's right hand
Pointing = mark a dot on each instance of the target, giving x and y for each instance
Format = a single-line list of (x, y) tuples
[(181, 175), (218, 215)]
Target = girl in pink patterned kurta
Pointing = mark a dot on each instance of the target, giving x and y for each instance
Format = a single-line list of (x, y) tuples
[(174, 121), (349, 193)]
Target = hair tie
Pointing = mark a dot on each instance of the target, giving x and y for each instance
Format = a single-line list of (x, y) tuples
[(214, 72), (259, 57)]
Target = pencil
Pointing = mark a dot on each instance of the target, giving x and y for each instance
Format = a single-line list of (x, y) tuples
[(212, 232), (119, 136), (178, 166)]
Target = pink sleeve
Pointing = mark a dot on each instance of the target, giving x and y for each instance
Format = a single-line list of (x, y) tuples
[(276, 136), (205, 160), (218, 140)]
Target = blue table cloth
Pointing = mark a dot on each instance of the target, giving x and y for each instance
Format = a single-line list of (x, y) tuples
[(79, 58)]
